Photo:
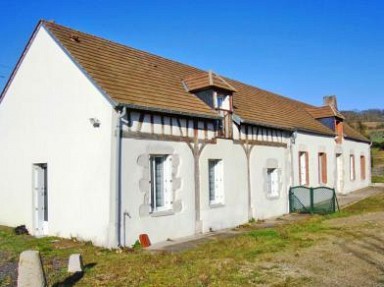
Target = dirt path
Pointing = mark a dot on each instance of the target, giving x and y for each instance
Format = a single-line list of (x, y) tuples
[(353, 256)]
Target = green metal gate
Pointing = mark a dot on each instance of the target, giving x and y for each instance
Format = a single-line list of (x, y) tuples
[(320, 200)]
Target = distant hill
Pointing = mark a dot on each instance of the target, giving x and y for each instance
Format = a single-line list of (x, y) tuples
[(371, 115), (368, 122)]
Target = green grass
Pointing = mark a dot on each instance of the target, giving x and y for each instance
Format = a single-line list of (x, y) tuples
[(377, 156), (219, 262), (378, 179)]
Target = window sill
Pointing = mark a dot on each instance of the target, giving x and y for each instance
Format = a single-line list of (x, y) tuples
[(162, 213), (216, 205)]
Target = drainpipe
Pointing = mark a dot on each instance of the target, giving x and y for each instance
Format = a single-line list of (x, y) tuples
[(121, 115), (292, 142)]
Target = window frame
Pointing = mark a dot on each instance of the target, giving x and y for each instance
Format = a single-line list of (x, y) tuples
[(306, 157), (322, 168), (166, 179), (352, 167), (215, 184), (273, 182), (363, 168)]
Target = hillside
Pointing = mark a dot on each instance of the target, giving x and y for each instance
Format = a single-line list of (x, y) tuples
[(368, 122)]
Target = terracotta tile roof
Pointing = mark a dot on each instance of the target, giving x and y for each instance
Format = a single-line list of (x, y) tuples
[(324, 112), (351, 133), (204, 80), (130, 76), (133, 77)]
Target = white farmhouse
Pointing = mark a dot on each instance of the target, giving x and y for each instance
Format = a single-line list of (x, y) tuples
[(104, 142)]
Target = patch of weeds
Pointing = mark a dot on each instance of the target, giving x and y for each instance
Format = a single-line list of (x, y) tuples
[(264, 233), (137, 245), (6, 281)]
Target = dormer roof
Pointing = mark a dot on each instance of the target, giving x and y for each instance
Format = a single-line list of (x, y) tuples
[(206, 80), (324, 112)]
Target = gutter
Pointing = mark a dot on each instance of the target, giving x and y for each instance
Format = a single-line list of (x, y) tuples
[(121, 115)]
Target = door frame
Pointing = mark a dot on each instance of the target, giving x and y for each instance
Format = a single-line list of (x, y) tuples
[(40, 198)]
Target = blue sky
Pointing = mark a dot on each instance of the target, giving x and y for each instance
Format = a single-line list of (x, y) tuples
[(300, 49)]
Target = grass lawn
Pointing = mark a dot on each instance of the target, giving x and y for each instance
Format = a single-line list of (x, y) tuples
[(255, 257)]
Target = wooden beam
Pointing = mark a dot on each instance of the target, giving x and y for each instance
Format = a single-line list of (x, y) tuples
[(141, 120), (260, 143), (158, 137)]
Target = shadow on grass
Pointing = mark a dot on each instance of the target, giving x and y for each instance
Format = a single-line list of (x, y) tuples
[(74, 278)]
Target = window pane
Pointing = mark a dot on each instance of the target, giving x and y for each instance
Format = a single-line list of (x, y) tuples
[(159, 181), (212, 179)]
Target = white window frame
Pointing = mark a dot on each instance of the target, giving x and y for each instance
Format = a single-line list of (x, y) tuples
[(273, 182), (161, 192), (304, 168), (215, 181)]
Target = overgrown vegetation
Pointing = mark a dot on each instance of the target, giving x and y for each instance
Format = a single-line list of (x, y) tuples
[(219, 262)]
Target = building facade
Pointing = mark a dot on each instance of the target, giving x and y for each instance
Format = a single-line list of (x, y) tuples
[(104, 142)]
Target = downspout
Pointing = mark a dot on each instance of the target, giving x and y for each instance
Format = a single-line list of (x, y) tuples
[(121, 115), (292, 142)]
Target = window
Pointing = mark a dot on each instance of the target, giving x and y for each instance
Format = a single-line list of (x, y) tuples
[(352, 170), (161, 195), (220, 100), (303, 168), (323, 168), (215, 181), (272, 182), (362, 167)]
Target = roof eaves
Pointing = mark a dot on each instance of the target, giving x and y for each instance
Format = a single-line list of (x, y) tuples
[(78, 65), (267, 125), (172, 112)]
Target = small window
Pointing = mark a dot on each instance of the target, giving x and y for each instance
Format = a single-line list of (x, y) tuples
[(220, 101), (362, 167), (323, 168), (215, 178), (352, 169), (161, 195), (273, 182), (303, 168)]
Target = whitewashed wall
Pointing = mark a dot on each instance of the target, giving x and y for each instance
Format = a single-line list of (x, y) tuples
[(159, 227), (263, 157), (357, 149), (234, 211), (314, 144), (44, 118)]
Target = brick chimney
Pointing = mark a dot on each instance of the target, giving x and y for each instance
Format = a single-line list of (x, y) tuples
[(330, 101)]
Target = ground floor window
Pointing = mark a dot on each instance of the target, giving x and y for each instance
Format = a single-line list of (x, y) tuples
[(362, 167), (323, 168), (303, 168), (215, 181), (273, 181), (161, 195), (352, 170)]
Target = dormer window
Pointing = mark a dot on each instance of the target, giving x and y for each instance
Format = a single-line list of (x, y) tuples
[(329, 116), (223, 101), (220, 101), (212, 89)]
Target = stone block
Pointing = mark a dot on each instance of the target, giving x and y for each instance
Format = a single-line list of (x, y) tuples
[(30, 271), (75, 263)]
